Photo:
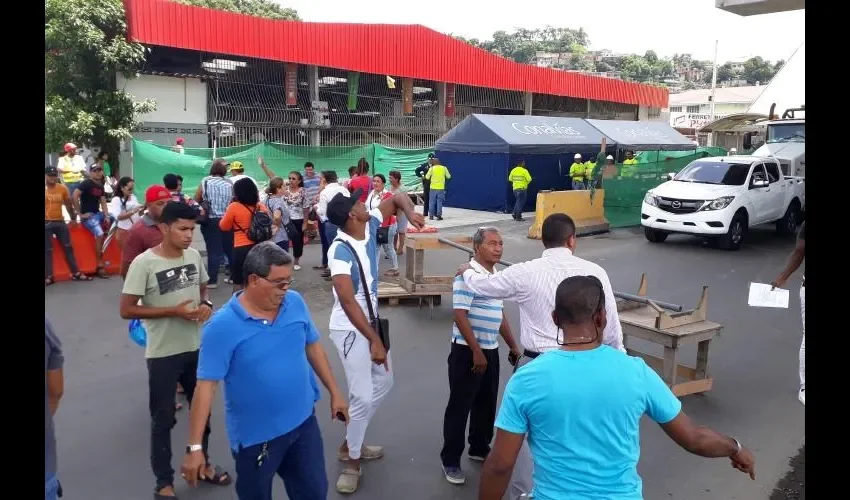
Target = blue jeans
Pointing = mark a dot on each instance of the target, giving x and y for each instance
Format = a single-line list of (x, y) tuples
[(437, 198), (214, 240), (297, 457), (520, 195), (578, 185), (323, 237), (330, 232), (389, 248), (94, 224), (51, 488)]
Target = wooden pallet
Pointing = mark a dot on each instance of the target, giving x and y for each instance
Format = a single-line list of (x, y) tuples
[(394, 295)]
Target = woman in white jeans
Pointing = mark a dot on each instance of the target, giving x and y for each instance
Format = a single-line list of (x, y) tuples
[(376, 196)]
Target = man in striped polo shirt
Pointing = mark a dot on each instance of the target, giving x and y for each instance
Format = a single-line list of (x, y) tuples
[(474, 362)]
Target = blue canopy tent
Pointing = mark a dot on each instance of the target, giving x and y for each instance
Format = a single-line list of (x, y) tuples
[(482, 149)]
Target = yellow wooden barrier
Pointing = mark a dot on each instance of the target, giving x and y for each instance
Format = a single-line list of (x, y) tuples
[(589, 217)]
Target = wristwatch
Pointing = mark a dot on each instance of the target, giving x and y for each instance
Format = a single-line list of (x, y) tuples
[(207, 303), (193, 448)]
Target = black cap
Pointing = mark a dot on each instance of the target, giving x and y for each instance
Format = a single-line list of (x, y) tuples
[(340, 206), (51, 171), (431, 155)]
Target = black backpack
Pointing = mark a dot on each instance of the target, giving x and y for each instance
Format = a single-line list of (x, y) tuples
[(260, 229)]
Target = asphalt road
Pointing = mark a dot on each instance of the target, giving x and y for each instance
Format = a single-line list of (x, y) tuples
[(103, 421)]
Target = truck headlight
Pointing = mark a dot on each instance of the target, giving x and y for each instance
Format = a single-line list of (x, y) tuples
[(719, 203), (650, 200)]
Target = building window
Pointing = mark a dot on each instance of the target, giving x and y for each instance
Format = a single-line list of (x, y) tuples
[(693, 109), (654, 112), (675, 109)]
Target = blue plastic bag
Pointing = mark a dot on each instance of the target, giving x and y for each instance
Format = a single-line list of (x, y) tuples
[(137, 333)]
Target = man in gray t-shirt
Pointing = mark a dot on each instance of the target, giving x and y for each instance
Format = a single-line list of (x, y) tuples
[(53, 385)]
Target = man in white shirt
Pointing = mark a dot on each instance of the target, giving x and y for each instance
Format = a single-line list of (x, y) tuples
[(329, 187), (237, 172), (363, 354), (532, 286)]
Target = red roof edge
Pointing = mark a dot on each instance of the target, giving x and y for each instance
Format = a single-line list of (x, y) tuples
[(412, 51)]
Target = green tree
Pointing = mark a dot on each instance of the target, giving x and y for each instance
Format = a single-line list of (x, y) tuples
[(259, 8), (85, 47), (757, 69)]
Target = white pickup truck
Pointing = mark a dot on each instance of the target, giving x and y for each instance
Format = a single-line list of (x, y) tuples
[(721, 198)]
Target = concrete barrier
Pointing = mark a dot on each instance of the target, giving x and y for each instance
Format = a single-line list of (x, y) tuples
[(588, 216)]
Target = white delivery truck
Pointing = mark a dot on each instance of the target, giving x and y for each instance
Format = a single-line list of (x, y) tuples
[(786, 141), (722, 197)]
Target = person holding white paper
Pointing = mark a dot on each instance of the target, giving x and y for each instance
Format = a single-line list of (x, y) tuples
[(797, 257)]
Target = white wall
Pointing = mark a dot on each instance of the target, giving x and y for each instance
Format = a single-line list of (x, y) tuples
[(178, 100)]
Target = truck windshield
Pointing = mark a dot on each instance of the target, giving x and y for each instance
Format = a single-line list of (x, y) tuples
[(714, 172), (786, 132)]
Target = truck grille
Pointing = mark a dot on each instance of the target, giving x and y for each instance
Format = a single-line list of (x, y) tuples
[(676, 206)]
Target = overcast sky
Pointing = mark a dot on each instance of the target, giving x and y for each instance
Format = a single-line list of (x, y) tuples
[(666, 26)]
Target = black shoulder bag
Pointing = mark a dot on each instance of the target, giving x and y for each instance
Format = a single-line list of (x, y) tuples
[(380, 325)]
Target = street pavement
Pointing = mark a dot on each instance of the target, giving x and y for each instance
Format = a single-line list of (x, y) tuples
[(103, 422)]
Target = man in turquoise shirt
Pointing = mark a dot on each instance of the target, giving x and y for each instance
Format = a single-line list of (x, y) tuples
[(580, 407)]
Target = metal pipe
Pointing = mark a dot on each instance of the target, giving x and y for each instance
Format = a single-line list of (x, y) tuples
[(619, 295)]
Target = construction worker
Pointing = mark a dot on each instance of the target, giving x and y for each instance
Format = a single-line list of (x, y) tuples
[(578, 173), (589, 165), (519, 178), (629, 167)]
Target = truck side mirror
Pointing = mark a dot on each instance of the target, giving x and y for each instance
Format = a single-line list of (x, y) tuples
[(748, 140), (670, 176)]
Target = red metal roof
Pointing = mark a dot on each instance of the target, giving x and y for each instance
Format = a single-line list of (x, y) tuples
[(412, 51)]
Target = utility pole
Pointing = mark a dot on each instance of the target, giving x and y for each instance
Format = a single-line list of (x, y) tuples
[(713, 91)]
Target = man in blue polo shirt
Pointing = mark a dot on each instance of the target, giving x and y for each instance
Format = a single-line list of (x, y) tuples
[(262, 343)]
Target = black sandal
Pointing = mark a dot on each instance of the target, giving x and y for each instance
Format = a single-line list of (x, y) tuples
[(101, 272), (157, 496), (220, 478), (49, 281), (80, 277)]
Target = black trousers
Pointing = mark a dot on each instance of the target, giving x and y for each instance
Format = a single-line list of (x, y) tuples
[(426, 193), (471, 396), (60, 229), (163, 375), (296, 236)]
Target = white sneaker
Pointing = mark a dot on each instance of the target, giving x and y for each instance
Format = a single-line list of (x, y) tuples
[(802, 396), (297, 267)]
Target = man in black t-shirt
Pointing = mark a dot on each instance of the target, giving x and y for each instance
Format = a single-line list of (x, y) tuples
[(90, 203), (420, 172), (794, 261)]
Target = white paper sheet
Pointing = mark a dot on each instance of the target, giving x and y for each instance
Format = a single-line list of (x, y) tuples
[(761, 295)]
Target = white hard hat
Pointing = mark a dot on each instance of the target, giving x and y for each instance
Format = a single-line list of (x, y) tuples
[(577, 156), (609, 157)]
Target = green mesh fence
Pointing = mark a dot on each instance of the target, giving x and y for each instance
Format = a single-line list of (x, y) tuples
[(152, 161), (625, 191)]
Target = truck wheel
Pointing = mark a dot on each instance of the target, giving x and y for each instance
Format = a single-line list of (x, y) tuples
[(654, 235), (735, 236), (787, 225)]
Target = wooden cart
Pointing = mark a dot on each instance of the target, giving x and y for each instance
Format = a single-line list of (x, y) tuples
[(671, 330)]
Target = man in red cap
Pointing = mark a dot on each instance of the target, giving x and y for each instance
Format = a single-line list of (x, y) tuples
[(178, 145), (145, 233), (71, 167)]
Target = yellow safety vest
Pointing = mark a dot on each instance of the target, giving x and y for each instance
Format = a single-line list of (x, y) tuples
[(578, 171), (438, 174), (519, 177), (629, 168)]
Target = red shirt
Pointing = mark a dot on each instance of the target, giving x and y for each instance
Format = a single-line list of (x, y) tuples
[(361, 182), (143, 235)]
